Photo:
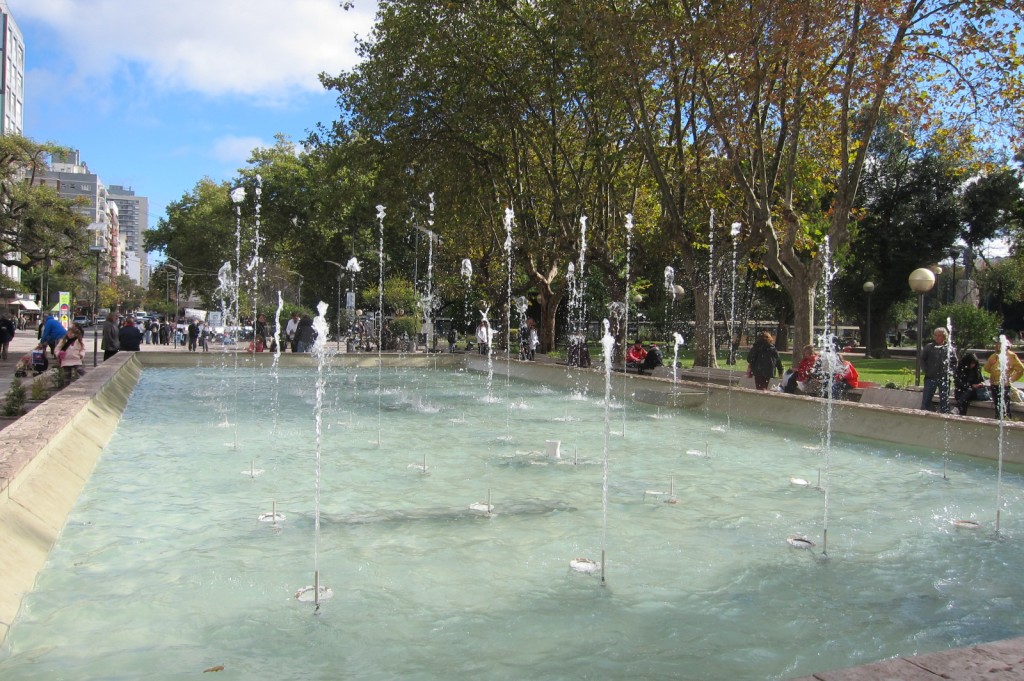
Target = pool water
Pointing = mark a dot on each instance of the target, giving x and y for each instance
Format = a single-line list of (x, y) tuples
[(164, 569)]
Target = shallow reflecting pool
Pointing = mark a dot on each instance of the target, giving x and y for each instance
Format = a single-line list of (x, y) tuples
[(165, 570)]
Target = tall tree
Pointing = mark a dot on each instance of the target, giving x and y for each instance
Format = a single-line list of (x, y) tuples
[(910, 215), (794, 90), (492, 104), (37, 226)]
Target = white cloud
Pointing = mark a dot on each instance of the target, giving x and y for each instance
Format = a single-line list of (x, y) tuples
[(265, 48)]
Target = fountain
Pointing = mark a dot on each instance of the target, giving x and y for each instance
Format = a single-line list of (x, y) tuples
[(446, 573), (170, 548)]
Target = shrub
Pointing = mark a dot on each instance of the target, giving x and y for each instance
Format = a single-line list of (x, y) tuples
[(408, 325), (38, 390), (972, 326), (14, 400)]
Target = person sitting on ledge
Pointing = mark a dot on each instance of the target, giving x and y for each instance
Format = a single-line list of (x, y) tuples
[(845, 378), (652, 360), (636, 355)]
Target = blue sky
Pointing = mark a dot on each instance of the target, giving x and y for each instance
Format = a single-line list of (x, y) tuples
[(157, 95)]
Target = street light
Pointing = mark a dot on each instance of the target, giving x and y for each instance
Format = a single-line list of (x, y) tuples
[(869, 288), (954, 252), (337, 289), (301, 278), (177, 291), (921, 282), (99, 247)]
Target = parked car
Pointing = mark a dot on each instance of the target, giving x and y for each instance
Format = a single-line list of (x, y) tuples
[(83, 321)]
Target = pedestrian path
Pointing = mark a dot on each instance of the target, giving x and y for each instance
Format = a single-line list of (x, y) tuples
[(25, 341)]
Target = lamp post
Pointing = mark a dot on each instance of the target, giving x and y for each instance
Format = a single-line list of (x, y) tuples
[(301, 278), (99, 247), (177, 291), (869, 288), (921, 282), (337, 289), (353, 267), (954, 252)]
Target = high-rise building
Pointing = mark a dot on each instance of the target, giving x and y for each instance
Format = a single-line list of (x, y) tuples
[(133, 213), (12, 90), (72, 180), (12, 79)]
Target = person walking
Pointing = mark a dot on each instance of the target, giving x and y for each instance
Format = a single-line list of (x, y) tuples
[(935, 365), (111, 343), (6, 335), (193, 335), (763, 360)]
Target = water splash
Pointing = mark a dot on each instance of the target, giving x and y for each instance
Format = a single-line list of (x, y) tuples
[(675, 358), (237, 196), (1003, 398), (831, 364), (380, 312), (608, 345), (467, 279), (318, 592), (625, 317), (734, 233), (509, 221)]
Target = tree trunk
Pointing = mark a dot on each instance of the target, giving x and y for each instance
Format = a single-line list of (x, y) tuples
[(803, 316), (549, 303), (703, 341)]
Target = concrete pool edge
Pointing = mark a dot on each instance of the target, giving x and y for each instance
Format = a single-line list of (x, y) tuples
[(47, 456)]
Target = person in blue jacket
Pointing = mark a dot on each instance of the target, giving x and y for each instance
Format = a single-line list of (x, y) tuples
[(53, 332)]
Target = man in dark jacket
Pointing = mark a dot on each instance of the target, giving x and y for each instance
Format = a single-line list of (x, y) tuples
[(130, 338), (111, 344), (936, 365), (6, 335)]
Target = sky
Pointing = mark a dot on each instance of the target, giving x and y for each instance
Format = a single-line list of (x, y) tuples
[(157, 95)]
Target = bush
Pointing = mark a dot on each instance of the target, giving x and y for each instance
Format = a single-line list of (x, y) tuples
[(408, 326), (39, 391), (972, 326), (14, 400)]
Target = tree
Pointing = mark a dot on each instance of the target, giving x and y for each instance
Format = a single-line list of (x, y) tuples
[(908, 212), (37, 226), (794, 92), (199, 232), (992, 206), (492, 104)]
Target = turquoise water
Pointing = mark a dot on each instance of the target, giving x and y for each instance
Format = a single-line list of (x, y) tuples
[(164, 569)]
